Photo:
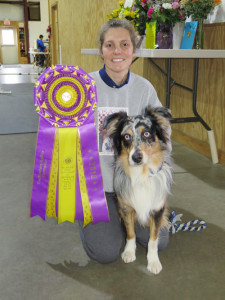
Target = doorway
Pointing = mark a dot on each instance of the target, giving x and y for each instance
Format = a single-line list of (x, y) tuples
[(8, 45)]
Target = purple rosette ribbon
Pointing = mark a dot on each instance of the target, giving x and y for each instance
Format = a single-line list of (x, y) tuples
[(67, 182)]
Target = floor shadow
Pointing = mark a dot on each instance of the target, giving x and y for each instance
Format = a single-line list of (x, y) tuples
[(193, 267)]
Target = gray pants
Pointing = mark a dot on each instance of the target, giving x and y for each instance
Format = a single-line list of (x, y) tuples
[(103, 241)]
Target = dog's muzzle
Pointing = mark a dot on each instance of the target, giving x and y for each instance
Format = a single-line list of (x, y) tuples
[(137, 157)]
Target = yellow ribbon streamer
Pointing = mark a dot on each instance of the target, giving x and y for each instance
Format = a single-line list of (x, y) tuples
[(50, 209), (83, 187), (67, 174), (70, 156)]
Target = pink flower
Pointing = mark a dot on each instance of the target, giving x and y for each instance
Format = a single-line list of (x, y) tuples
[(175, 5), (143, 3), (150, 12)]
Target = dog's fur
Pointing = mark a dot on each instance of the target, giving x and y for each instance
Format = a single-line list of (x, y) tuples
[(143, 175)]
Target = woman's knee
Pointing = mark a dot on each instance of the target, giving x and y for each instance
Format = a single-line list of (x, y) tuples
[(143, 235), (163, 238), (100, 245), (104, 254)]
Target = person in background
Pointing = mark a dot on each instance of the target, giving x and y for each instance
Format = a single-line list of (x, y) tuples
[(41, 48), (117, 89)]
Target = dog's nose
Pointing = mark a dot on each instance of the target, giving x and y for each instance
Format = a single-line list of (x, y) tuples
[(137, 157)]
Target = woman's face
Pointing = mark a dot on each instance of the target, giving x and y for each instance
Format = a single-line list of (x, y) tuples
[(117, 51)]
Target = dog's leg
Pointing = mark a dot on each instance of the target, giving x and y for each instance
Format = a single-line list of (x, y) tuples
[(129, 253), (154, 264)]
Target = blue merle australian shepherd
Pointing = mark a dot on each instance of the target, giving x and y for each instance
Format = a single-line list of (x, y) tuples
[(143, 175)]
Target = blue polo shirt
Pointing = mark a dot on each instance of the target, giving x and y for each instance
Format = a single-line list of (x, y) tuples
[(105, 77)]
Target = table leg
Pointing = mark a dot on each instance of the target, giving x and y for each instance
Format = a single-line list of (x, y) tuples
[(213, 148), (168, 80), (211, 136), (197, 118)]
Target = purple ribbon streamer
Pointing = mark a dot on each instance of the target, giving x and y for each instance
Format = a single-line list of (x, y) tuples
[(79, 208), (42, 166), (92, 171)]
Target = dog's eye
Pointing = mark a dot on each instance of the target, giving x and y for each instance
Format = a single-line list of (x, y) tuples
[(127, 137), (146, 134)]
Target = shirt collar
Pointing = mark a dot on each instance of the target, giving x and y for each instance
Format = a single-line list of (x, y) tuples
[(105, 77)]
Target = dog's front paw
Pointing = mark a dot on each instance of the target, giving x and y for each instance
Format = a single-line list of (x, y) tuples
[(154, 266), (128, 256)]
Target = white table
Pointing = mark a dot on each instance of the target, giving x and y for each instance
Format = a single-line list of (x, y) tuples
[(37, 53), (169, 54)]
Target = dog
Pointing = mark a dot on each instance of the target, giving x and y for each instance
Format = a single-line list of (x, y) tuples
[(143, 175)]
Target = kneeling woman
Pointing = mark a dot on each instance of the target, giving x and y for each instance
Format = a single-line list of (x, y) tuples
[(117, 89)]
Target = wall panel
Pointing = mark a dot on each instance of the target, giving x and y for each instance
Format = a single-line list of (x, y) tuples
[(210, 98), (79, 23)]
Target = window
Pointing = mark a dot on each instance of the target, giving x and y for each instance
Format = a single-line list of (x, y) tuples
[(34, 11), (8, 37)]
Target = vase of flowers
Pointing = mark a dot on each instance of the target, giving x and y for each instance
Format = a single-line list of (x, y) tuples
[(198, 10), (199, 36), (143, 12), (165, 12), (150, 35), (165, 36), (178, 30)]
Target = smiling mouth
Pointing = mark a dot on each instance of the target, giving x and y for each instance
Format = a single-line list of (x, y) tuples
[(118, 59)]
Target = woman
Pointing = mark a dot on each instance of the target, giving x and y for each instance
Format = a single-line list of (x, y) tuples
[(117, 89)]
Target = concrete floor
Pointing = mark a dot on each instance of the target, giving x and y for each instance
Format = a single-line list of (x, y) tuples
[(43, 260), (8, 74)]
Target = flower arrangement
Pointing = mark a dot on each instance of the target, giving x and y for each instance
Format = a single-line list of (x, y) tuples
[(198, 9), (145, 11)]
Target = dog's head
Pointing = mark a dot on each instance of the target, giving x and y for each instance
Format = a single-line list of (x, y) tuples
[(141, 136)]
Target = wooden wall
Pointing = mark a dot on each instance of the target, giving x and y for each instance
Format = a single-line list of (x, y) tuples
[(210, 97), (78, 25)]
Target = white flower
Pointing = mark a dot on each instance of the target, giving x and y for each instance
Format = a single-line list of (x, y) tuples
[(167, 5), (121, 14)]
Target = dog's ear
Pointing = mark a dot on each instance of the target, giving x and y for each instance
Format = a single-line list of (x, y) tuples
[(160, 118), (114, 125), (161, 111), (114, 121)]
